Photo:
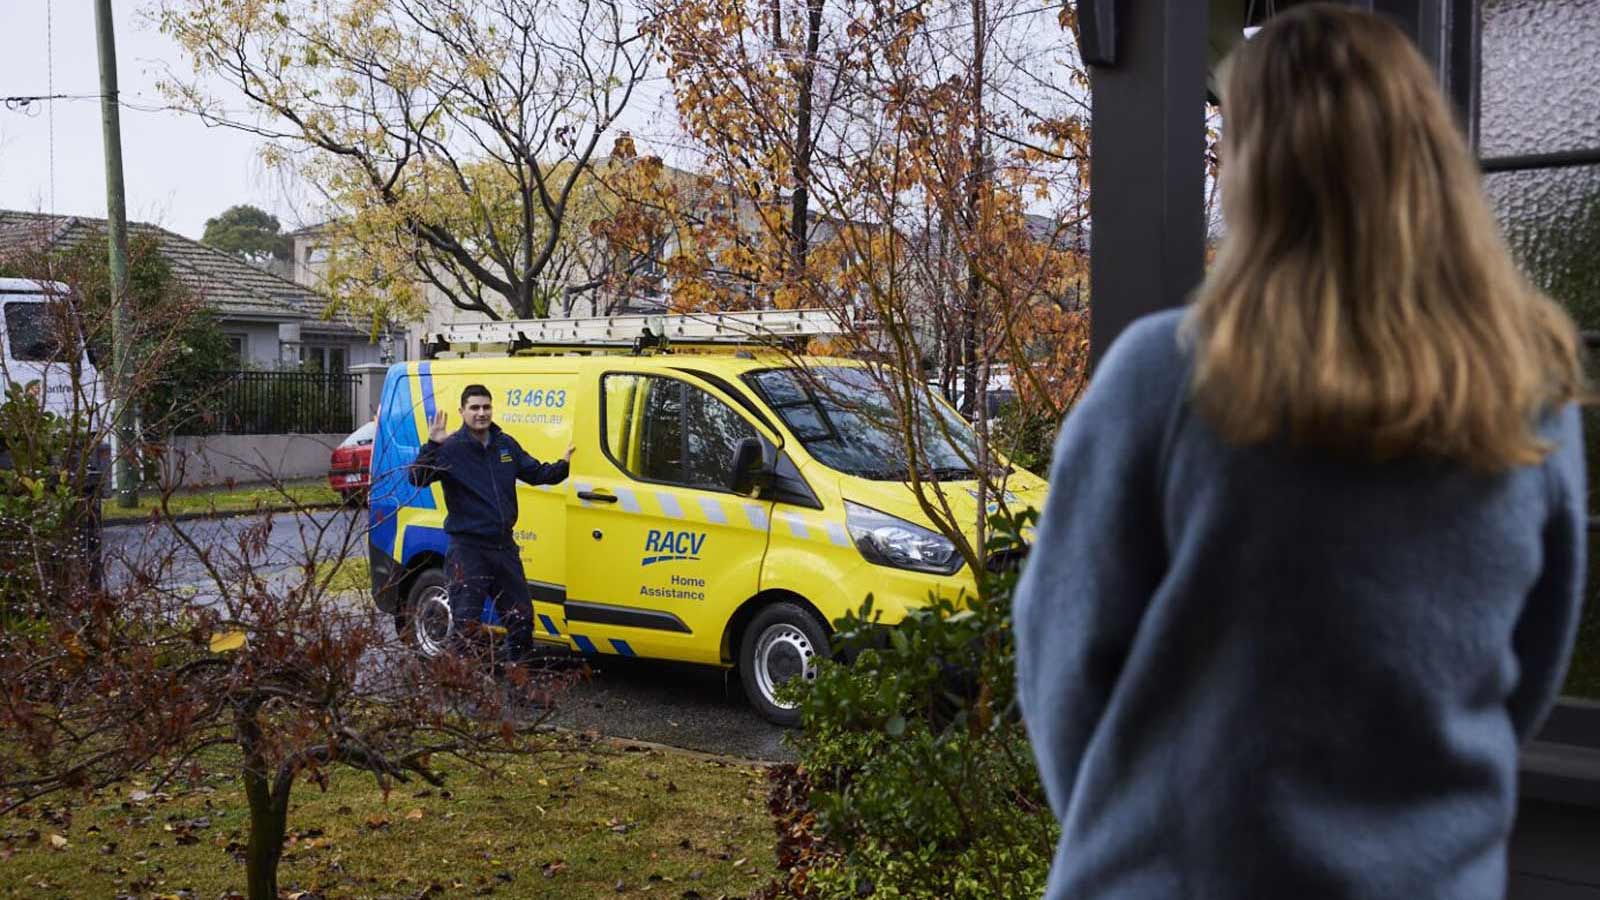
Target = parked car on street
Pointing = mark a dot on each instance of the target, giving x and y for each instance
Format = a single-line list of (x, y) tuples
[(350, 466)]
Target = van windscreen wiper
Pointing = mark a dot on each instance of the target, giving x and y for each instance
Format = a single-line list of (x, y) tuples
[(950, 473), (881, 474)]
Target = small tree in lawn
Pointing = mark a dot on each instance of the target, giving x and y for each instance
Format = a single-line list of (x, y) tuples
[(290, 677), (191, 648)]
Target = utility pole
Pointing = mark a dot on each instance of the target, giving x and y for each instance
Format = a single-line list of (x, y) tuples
[(122, 412)]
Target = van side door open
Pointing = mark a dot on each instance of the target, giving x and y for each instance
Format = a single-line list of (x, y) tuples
[(661, 549)]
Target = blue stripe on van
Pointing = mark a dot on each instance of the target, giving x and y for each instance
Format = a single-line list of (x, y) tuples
[(549, 626), (394, 447), (584, 644), (425, 370), (622, 647), (423, 539)]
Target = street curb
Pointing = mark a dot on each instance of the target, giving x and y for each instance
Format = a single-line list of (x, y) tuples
[(146, 518)]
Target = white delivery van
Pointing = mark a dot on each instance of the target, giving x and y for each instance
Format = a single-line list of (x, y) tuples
[(35, 317)]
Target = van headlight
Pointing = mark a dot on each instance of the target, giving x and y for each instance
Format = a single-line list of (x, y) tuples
[(888, 541)]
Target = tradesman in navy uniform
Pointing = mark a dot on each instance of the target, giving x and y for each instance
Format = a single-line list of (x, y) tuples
[(480, 466)]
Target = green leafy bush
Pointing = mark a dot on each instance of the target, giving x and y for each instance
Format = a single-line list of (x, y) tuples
[(1027, 435), (42, 476), (916, 778)]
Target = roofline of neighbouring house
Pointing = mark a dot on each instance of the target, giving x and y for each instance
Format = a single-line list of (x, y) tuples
[(64, 223)]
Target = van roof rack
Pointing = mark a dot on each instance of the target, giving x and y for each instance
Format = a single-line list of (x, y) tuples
[(637, 333)]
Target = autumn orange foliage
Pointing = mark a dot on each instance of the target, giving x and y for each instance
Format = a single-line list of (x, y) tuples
[(966, 250)]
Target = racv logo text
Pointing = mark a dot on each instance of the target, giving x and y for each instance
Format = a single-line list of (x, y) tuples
[(666, 546)]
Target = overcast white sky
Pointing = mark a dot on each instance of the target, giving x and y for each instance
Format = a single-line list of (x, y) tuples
[(178, 171)]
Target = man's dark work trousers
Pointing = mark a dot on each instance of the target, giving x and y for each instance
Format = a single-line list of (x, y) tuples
[(476, 570)]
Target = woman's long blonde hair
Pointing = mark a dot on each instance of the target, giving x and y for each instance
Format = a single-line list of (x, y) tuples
[(1363, 299)]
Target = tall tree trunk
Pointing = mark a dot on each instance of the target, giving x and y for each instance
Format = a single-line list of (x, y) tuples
[(969, 351), (945, 319), (972, 405), (976, 389), (799, 212), (522, 304)]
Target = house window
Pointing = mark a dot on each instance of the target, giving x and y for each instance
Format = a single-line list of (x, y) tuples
[(323, 358), (237, 345), (1540, 141)]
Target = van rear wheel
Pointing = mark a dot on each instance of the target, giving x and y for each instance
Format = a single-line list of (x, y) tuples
[(424, 620), (783, 641)]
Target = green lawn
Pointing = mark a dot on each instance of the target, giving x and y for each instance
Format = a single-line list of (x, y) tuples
[(309, 492), (586, 820), (350, 574)]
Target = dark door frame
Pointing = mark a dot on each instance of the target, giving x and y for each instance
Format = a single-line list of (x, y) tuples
[(1148, 70)]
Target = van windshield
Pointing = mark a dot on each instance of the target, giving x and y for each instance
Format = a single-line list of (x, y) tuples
[(32, 335), (844, 419)]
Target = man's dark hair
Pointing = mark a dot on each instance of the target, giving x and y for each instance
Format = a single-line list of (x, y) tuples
[(474, 390)]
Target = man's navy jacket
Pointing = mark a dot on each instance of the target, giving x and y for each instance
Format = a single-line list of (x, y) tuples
[(480, 482)]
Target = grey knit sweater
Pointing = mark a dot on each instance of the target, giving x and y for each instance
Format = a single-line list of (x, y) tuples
[(1269, 672)]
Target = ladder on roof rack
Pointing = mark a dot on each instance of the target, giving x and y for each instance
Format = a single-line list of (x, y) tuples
[(642, 332)]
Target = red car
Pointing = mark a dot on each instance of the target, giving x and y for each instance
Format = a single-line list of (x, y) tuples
[(350, 468)]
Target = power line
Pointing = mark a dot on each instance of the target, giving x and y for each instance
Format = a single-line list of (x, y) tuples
[(50, 87), (22, 102)]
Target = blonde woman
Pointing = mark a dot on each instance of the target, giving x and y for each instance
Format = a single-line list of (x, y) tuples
[(1311, 563)]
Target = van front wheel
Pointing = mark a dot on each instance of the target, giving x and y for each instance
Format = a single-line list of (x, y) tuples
[(783, 641), (425, 617)]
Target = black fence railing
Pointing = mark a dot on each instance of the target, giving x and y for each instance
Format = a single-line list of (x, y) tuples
[(274, 403)]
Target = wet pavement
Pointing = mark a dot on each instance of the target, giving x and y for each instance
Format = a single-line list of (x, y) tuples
[(272, 542), (693, 707)]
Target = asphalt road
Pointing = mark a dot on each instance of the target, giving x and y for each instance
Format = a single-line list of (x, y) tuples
[(693, 707), (270, 543)]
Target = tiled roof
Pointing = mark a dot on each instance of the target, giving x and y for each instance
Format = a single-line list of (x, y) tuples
[(229, 285)]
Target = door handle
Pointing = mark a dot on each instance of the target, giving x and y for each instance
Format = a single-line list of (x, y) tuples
[(597, 497)]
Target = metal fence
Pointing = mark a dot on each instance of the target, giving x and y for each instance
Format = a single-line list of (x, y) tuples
[(275, 403)]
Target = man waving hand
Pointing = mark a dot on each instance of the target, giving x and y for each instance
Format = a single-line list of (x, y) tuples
[(480, 466)]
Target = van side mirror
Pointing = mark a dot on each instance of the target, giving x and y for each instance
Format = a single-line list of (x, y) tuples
[(748, 469)]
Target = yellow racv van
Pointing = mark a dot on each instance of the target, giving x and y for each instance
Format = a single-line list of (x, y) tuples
[(721, 509)]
